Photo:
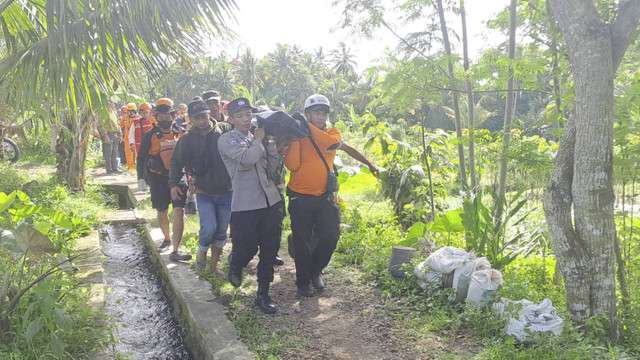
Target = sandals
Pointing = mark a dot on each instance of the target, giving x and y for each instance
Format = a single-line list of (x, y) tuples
[(201, 265)]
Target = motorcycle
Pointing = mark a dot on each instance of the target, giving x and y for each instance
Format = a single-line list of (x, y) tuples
[(9, 150)]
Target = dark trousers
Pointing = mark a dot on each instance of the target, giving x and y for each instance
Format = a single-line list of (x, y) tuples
[(255, 229), (318, 215)]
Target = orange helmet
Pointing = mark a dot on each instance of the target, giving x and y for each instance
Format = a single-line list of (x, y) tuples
[(145, 106), (165, 101), (130, 106)]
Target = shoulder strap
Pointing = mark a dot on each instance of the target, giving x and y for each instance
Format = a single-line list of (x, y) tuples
[(319, 154)]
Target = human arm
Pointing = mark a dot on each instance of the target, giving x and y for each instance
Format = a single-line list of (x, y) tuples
[(101, 129), (245, 154), (132, 133), (143, 155), (358, 156), (292, 155), (178, 160)]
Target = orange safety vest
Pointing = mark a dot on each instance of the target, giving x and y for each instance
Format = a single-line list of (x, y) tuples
[(162, 146), (141, 126)]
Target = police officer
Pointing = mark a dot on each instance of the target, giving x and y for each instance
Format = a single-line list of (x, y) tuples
[(256, 208)]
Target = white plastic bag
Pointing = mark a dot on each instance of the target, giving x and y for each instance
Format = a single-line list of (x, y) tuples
[(446, 259), (483, 285), (440, 262), (531, 319), (426, 276), (462, 276)]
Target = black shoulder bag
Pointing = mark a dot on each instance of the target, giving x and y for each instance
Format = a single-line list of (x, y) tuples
[(332, 177)]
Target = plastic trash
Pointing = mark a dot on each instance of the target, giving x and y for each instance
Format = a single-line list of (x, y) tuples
[(446, 259), (442, 261), (483, 285), (462, 276), (529, 319)]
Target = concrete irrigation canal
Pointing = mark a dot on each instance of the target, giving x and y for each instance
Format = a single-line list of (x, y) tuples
[(161, 309), (146, 328)]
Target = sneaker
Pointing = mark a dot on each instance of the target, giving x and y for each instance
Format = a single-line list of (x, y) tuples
[(165, 244), (278, 261), (178, 256)]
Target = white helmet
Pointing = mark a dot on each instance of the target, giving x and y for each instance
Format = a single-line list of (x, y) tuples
[(316, 99)]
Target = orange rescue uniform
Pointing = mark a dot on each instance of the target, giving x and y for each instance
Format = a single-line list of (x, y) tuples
[(125, 123), (308, 173)]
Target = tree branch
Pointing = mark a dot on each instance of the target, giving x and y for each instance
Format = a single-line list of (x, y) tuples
[(622, 27)]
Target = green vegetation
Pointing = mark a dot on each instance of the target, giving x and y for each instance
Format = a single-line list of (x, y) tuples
[(44, 309)]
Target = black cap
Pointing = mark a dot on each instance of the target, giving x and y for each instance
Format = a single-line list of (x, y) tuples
[(197, 107), (211, 95), (239, 103), (165, 109)]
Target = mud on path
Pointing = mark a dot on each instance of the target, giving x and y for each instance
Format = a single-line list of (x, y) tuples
[(347, 320)]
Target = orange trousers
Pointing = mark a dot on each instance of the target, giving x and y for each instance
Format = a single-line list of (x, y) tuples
[(130, 156)]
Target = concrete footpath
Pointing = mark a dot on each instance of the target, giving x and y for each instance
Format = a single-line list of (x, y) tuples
[(208, 331)]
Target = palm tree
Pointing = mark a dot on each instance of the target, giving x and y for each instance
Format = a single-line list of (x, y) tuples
[(343, 59), (75, 54)]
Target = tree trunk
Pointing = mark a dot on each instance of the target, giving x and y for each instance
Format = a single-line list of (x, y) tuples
[(71, 151), (454, 93), (582, 175), (508, 119), (471, 102)]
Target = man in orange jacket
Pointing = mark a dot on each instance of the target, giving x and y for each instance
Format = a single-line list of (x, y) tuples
[(125, 124), (140, 126), (313, 207)]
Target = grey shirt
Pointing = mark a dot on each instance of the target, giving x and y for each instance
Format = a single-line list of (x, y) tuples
[(248, 163)]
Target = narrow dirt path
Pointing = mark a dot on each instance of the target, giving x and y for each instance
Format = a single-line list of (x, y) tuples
[(342, 322)]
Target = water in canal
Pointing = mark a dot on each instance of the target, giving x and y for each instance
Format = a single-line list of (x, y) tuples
[(146, 328)]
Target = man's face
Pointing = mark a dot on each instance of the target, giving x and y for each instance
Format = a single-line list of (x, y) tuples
[(242, 120), (131, 113), (214, 107), (318, 117), (145, 113), (201, 122)]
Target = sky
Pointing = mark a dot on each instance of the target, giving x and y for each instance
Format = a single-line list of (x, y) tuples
[(260, 24)]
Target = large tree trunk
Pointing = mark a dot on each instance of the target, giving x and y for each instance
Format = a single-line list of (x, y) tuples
[(470, 102), (583, 168), (71, 151), (454, 92), (508, 119)]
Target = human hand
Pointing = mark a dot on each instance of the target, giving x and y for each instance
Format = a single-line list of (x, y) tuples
[(107, 140), (133, 147), (259, 134), (176, 193), (374, 170)]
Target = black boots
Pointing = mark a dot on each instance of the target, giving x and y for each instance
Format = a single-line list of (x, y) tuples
[(235, 273), (305, 291), (317, 282), (263, 300)]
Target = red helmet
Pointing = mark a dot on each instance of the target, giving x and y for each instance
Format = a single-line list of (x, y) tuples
[(145, 106)]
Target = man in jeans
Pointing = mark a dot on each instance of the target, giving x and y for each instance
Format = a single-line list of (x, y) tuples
[(197, 150), (257, 209), (109, 130)]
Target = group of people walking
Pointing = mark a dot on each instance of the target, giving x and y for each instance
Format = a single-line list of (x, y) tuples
[(235, 169)]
